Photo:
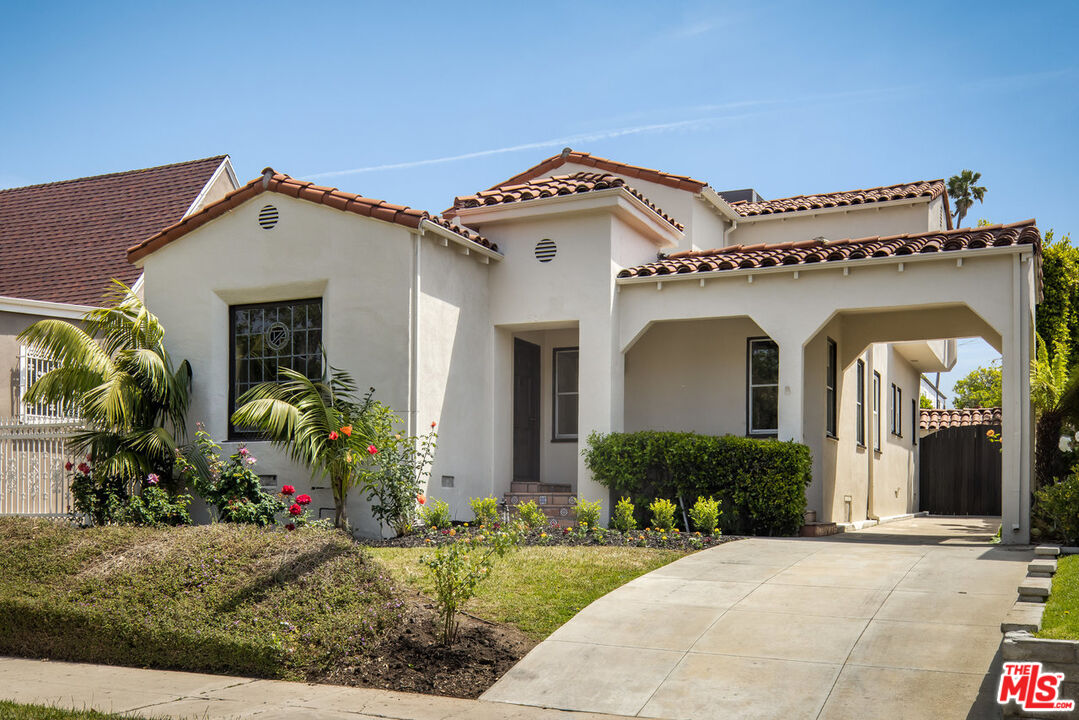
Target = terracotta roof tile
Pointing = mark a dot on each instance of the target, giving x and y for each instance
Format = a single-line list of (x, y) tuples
[(681, 182), (556, 185), (272, 181), (965, 417), (823, 251), (924, 188), (65, 241)]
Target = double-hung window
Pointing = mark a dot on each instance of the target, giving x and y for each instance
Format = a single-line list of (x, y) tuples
[(566, 393), (269, 337), (859, 403), (876, 411), (830, 389), (34, 363), (762, 401), (897, 410)]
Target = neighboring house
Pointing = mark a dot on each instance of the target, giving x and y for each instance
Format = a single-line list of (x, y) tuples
[(62, 244), (587, 295)]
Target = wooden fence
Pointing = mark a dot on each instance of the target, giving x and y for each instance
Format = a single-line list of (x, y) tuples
[(33, 480)]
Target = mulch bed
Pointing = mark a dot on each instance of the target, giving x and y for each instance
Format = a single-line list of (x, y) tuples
[(646, 538)]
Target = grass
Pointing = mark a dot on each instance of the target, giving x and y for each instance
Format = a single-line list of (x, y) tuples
[(537, 589), (221, 599), (1061, 618), (15, 711)]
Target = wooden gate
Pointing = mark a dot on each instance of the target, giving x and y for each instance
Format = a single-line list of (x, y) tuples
[(959, 471)]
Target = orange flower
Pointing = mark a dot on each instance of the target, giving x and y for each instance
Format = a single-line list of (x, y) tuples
[(421, 499), (347, 431), (433, 423)]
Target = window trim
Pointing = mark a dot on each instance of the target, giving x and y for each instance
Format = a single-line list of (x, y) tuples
[(233, 433), (555, 437), (914, 412), (831, 391), (33, 364), (876, 412), (750, 432), (897, 411), (859, 404)]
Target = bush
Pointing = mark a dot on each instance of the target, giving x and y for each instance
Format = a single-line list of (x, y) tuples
[(531, 515), (104, 499), (436, 514), (231, 486), (663, 511), (623, 519), (587, 512), (759, 483), (1056, 511), (392, 481), (155, 506), (705, 515), (484, 510)]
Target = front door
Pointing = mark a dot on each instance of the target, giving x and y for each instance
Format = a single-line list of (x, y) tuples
[(526, 411)]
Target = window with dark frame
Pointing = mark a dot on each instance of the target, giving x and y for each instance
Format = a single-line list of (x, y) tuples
[(830, 389), (267, 337), (566, 393), (762, 392), (876, 411), (897, 411), (859, 403), (914, 412)]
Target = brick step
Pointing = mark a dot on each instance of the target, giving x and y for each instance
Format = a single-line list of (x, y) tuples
[(535, 487)]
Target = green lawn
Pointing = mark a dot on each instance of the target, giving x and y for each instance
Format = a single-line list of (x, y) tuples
[(537, 589), (14, 711), (1061, 619)]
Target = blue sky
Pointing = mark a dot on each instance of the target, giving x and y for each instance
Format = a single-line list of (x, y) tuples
[(785, 97)]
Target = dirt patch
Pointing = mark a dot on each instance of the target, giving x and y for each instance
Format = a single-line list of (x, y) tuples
[(413, 660)]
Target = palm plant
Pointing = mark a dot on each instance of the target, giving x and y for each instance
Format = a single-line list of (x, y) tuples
[(115, 373), (964, 190), (320, 424)]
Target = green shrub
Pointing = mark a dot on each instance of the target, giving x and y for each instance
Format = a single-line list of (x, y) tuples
[(663, 511), (705, 515), (231, 486), (760, 484), (1056, 511), (155, 506), (392, 480), (587, 513), (484, 510), (623, 519), (531, 515), (436, 514)]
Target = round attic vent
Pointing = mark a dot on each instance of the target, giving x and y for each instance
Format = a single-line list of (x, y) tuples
[(268, 217), (545, 250)]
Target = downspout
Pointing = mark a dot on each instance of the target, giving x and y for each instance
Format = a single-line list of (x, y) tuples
[(413, 337), (727, 232), (871, 456)]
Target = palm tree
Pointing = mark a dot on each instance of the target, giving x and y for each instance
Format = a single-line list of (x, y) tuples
[(115, 373), (962, 188), (319, 423)]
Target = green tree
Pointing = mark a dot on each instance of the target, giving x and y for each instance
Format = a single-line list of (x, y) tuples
[(980, 388), (964, 190), (1058, 314), (115, 373), (320, 424), (925, 403), (1054, 392)]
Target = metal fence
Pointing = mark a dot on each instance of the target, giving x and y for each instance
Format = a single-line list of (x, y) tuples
[(33, 480)]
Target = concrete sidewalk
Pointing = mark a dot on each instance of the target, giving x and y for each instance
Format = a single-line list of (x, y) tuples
[(164, 694), (898, 621)]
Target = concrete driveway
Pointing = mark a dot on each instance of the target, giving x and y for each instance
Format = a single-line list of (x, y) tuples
[(896, 621)]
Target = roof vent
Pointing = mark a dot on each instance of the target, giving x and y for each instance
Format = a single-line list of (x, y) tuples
[(268, 217), (546, 250)]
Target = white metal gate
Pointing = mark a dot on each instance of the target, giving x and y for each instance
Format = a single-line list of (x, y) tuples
[(33, 480)]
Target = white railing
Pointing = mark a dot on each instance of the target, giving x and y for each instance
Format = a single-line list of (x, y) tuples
[(33, 480)]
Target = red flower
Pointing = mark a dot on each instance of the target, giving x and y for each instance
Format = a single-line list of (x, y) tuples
[(333, 435), (371, 449), (565, 530), (288, 490), (347, 431), (303, 499), (295, 509), (433, 423), (421, 499), (84, 468), (68, 465), (290, 527)]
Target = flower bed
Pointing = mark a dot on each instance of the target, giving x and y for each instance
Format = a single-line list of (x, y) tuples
[(646, 538)]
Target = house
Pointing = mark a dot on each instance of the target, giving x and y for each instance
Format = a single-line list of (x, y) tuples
[(588, 295), (62, 243)]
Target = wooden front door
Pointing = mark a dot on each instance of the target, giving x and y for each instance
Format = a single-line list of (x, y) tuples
[(526, 411)]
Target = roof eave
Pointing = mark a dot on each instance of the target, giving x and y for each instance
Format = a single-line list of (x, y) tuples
[(717, 203), (467, 246), (797, 214)]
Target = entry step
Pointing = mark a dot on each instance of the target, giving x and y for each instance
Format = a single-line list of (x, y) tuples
[(536, 487)]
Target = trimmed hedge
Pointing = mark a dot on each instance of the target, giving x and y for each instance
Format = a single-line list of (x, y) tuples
[(760, 483)]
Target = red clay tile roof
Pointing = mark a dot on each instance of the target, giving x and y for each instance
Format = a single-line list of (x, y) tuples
[(925, 188), (682, 182), (824, 251), (65, 241), (577, 183), (272, 181), (938, 419)]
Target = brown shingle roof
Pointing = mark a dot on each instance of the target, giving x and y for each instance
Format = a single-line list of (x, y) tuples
[(574, 184), (272, 181), (938, 419), (824, 251), (682, 182), (65, 241), (924, 188)]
